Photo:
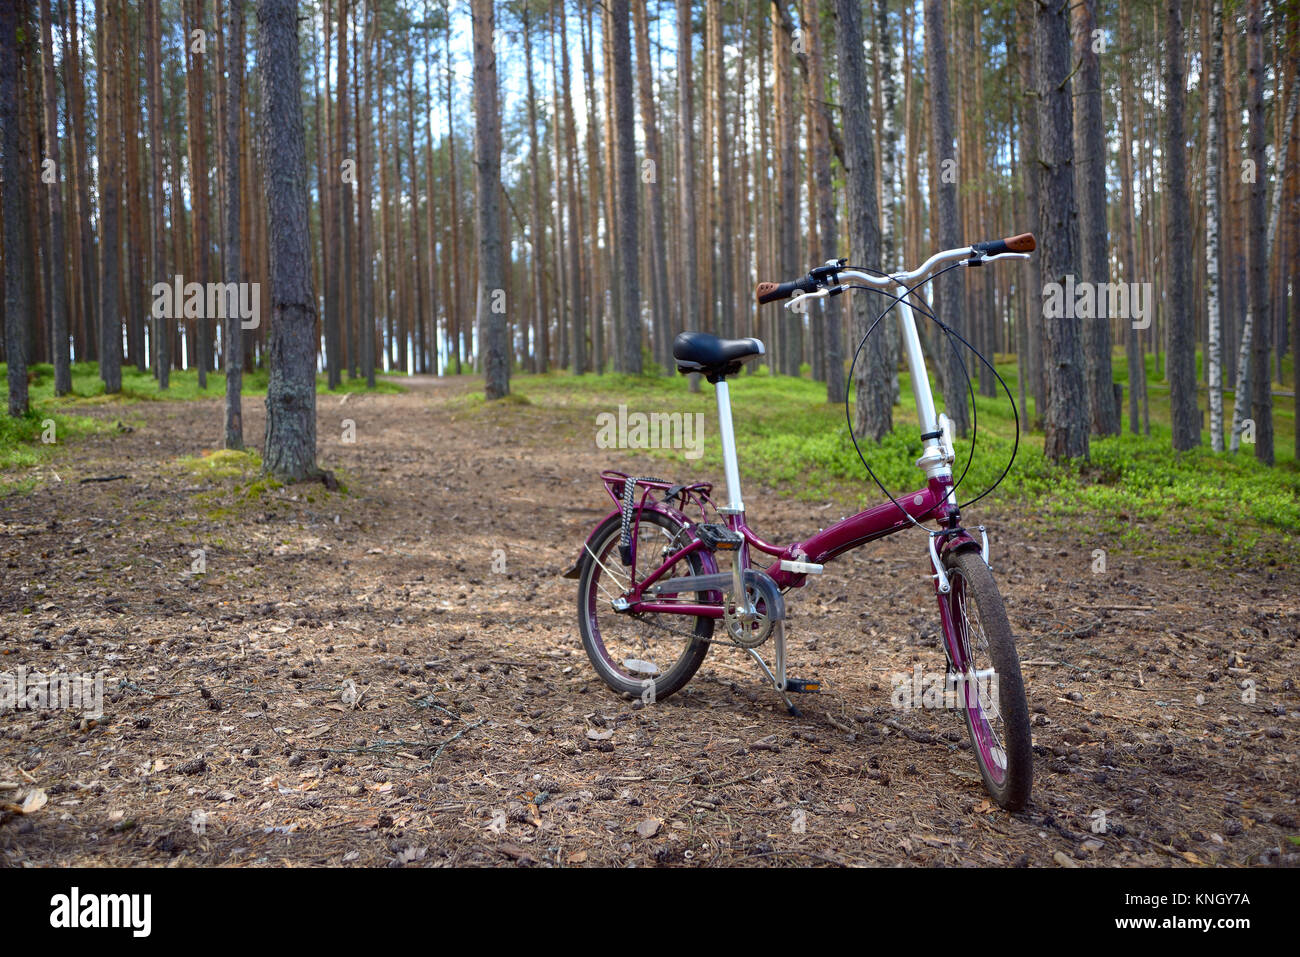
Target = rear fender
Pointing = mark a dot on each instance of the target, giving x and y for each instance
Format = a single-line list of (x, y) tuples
[(676, 515)]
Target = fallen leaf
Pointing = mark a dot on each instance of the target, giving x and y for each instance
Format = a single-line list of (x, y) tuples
[(35, 800), (649, 827), (516, 854)]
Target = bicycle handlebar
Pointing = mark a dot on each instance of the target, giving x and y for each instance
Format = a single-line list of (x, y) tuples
[(821, 276), (1024, 243), (772, 291)]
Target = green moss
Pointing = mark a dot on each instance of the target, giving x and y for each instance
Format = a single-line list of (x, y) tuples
[(223, 464), (23, 439)]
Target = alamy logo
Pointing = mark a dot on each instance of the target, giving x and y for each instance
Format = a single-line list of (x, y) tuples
[(651, 430), (215, 300), (59, 691), (102, 910), (1097, 300), (944, 690)]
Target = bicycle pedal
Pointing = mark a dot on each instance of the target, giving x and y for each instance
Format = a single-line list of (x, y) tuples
[(802, 686), (719, 538)]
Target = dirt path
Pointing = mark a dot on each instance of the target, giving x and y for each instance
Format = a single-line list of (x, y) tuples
[(354, 679)]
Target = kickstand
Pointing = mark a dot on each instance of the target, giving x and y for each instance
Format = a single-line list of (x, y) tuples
[(778, 679)]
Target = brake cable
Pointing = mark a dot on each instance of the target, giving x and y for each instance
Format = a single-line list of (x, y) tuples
[(950, 333)]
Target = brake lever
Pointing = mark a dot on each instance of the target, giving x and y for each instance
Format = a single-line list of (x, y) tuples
[(822, 293), (982, 259)]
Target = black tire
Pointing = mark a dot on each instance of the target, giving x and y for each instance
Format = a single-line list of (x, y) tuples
[(598, 621), (975, 600)]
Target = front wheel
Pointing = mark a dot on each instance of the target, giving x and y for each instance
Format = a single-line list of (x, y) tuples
[(986, 673)]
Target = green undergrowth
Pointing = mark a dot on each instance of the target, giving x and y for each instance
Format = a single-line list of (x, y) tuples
[(1134, 487)]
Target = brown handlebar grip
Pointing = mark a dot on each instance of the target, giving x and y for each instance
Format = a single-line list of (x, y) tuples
[(766, 292), (1024, 243)]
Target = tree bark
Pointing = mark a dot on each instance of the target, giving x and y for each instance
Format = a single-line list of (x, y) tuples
[(628, 237), (789, 352), (107, 148), (1090, 148), (579, 313), (342, 318), (1213, 233), (197, 141), (827, 227), (234, 250), (1260, 379), (16, 251), (662, 322), (290, 450), (365, 215), (490, 312), (163, 327), (1185, 417), (58, 251), (536, 229), (1066, 418), (943, 172), (686, 172), (1030, 166)]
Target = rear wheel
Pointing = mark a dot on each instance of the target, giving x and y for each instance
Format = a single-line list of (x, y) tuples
[(989, 687), (649, 656)]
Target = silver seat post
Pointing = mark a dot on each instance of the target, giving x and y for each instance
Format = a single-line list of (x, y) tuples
[(735, 504)]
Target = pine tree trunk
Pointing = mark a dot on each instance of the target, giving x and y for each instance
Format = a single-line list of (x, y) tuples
[(365, 215), (651, 175), (342, 319), (490, 311), (1066, 418), (597, 283), (128, 94), (943, 173), (578, 345), (1260, 379), (536, 229), (234, 249), (13, 152), (58, 249), (108, 148), (197, 142), (889, 245), (789, 352), (1029, 159), (628, 235), (421, 314), (689, 264), (430, 222), (164, 326), (725, 273), (1213, 235), (1090, 149), (1185, 416), (76, 95), (874, 400), (830, 318), (290, 450)]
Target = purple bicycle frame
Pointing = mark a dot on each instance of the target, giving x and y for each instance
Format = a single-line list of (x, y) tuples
[(845, 535)]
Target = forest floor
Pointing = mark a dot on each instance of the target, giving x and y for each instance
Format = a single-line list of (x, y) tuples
[(392, 674)]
